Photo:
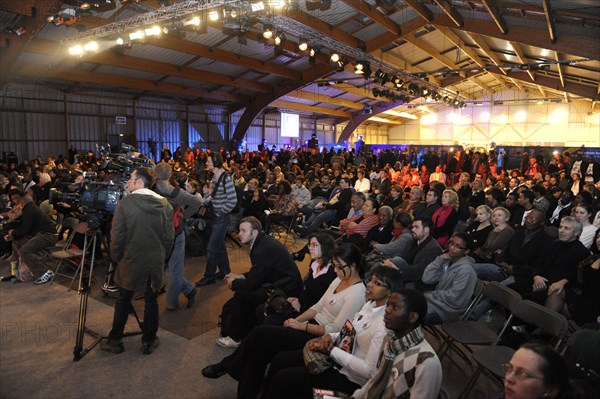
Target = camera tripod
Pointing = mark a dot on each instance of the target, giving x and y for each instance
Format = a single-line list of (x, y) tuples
[(90, 241)]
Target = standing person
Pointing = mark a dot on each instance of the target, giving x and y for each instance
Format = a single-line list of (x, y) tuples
[(141, 237), (176, 281), (223, 198)]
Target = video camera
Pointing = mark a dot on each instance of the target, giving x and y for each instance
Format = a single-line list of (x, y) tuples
[(93, 196)]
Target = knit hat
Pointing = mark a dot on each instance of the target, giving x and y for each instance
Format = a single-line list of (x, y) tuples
[(162, 171)]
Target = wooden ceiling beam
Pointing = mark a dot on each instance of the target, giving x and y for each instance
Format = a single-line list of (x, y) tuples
[(496, 16), (212, 53), (111, 80), (560, 69), (420, 9), (547, 82), (310, 108), (368, 11), (142, 64), (549, 20), (451, 12), (458, 42), (374, 45), (320, 98), (20, 7), (429, 49), (329, 30), (574, 44), (521, 57), (16, 44)]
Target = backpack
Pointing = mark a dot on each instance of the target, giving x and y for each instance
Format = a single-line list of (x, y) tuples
[(178, 220)]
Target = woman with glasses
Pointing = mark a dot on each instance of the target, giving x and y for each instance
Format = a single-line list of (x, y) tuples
[(353, 351), (344, 297), (534, 372), (320, 275)]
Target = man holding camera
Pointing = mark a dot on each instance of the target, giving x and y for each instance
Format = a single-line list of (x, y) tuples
[(142, 236)]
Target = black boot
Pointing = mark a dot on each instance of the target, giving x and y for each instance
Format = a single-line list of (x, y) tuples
[(299, 256)]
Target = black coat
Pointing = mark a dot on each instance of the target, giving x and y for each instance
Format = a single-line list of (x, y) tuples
[(271, 264)]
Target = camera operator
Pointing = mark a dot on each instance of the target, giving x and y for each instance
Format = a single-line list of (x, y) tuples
[(189, 203), (30, 238), (142, 236)]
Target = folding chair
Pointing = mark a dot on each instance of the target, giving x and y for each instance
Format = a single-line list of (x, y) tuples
[(491, 358), (286, 227), (470, 332), (67, 254)]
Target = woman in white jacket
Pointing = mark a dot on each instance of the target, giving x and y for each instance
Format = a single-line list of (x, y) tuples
[(353, 360)]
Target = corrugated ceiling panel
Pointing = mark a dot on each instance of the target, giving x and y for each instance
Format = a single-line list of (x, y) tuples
[(338, 12), (160, 54), (211, 38), (253, 49), (205, 64), (128, 72), (190, 82), (370, 32)]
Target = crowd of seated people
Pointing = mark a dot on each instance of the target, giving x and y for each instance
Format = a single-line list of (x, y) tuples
[(443, 221)]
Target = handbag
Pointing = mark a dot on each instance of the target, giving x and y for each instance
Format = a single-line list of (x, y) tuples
[(277, 302), (316, 362)]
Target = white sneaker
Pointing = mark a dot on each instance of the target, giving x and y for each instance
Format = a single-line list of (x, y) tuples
[(227, 342), (45, 277)]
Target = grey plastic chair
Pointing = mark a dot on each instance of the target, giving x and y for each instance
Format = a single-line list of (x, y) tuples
[(490, 359)]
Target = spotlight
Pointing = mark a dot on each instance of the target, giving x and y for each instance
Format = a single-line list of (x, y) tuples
[(413, 88), (376, 92), (137, 35), (213, 16), (85, 6), (120, 41), (341, 64), (456, 102), (279, 38), (335, 57), (424, 91), (268, 32), (312, 56), (76, 50), (91, 46), (153, 31), (359, 68), (303, 44), (194, 21)]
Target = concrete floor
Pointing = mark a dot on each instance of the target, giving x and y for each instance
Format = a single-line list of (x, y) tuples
[(38, 334)]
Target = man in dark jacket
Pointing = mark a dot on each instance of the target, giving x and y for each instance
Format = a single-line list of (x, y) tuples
[(141, 238), (271, 266), (35, 233), (423, 251)]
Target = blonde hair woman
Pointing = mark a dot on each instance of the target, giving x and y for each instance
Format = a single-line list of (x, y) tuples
[(445, 218)]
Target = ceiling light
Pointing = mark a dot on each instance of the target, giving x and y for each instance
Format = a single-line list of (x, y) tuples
[(268, 32), (120, 41), (335, 57), (303, 44), (194, 21), (137, 35), (91, 46), (84, 6), (76, 50), (213, 16), (153, 31)]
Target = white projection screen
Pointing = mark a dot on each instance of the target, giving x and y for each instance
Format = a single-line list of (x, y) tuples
[(290, 125)]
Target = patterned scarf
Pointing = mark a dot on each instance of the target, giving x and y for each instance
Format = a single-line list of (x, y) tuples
[(391, 347)]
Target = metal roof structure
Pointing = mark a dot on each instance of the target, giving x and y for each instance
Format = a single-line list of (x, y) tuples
[(467, 50)]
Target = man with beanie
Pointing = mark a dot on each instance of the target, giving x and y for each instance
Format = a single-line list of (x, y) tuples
[(223, 198), (407, 366), (189, 204)]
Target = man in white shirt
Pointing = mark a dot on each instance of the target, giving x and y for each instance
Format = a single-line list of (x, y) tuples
[(362, 184)]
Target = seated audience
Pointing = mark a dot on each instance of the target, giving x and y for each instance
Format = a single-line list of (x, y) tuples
[(445, 218), (352, 363), (454, 279), (497, 240), (343, 298), (407, 365), (583, 212), (481, 227)]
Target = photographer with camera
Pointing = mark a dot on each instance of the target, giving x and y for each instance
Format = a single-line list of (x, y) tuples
[(142, 236), (187, 204), (30, 238)]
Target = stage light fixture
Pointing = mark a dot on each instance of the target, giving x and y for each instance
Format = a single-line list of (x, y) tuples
[(359, 68), (76, 50), (279, 38), (303, 44), (153, 31), (424, 91), (213, 15), (194, 21), (268, 31), (91, 46), (255, 7), (335, 57), (341, 64), (120, 41), (137, 35)]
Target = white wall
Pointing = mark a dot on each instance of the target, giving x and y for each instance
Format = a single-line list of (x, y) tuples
[(559, 124)]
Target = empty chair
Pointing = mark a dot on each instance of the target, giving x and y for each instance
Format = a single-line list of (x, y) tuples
[(69, 254), (470, 332), (490, 359)]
